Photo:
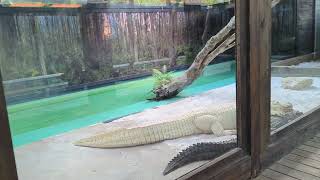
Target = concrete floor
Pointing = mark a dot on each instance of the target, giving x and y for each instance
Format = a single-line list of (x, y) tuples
[(56, 158)]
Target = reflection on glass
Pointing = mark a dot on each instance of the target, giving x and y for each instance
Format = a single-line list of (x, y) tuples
[(295, 82), (92, 79), (42, 3)]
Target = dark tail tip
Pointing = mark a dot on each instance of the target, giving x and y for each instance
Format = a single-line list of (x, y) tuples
[(166, 171)]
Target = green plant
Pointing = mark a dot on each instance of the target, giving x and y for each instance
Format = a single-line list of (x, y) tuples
[(161, 78), (34, 73)]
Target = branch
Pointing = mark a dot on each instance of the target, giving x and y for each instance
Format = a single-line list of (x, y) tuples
[(214, 40), (227, 44), (221, 34), (275, 2), (217, 44)]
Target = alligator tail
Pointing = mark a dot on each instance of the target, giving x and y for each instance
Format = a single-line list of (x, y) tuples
[(199, 152), (141, 135)]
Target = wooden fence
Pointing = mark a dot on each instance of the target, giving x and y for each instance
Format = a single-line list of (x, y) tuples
[(86, 44)]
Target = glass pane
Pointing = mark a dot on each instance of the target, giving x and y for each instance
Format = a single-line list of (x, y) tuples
[(43, 3), (116, 93), (295, 81)]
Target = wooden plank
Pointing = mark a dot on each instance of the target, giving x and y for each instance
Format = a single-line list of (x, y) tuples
[(242, 168), (292, 172), (7, 162), (276, 175), (260, 55), (315, 139), (233, 164), (300, 167), (261, 177), (306, 154), (317, 28), (313, 144), (309, 149), (288, 137), (303, 160), (243, 76)]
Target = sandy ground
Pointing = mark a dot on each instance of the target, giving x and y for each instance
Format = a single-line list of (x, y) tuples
[(57, 158), (303, 101)]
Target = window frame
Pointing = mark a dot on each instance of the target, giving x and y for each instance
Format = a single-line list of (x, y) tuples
[(284, 139), (253, 35), (8, 168)]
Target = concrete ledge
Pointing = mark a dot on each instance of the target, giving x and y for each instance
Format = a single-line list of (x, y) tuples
[(287, 68), (294, 60), (292, 71)]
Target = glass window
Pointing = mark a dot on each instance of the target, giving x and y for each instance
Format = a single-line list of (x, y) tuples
[(117, 93), (43, 3), (295, 82)]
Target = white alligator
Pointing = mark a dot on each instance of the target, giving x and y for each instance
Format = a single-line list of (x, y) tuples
[(210, 120), (214, 120)]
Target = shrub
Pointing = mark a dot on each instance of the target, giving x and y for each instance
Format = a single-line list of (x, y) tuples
[(161, 78)]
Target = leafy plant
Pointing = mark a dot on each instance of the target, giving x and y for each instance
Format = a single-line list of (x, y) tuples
[(34, 73), (161, 78)]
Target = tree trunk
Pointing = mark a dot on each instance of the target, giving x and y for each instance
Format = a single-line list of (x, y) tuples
[(217, 44)]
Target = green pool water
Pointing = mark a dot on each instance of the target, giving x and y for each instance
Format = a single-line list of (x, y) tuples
[(35, 120)]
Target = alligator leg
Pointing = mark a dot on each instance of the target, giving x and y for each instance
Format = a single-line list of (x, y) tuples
[(209, 124), (204, 123), (217, 128)]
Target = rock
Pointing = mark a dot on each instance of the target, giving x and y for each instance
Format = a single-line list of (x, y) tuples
[(282, 113), (295, 83), (280, 108)]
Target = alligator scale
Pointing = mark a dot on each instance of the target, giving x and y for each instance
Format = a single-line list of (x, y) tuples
[(212, 120), (210, 150), (199, 152)]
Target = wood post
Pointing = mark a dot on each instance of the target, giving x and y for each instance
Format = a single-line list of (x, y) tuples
[(317, 29), (243, 75), (7, 162), (260, 54)]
